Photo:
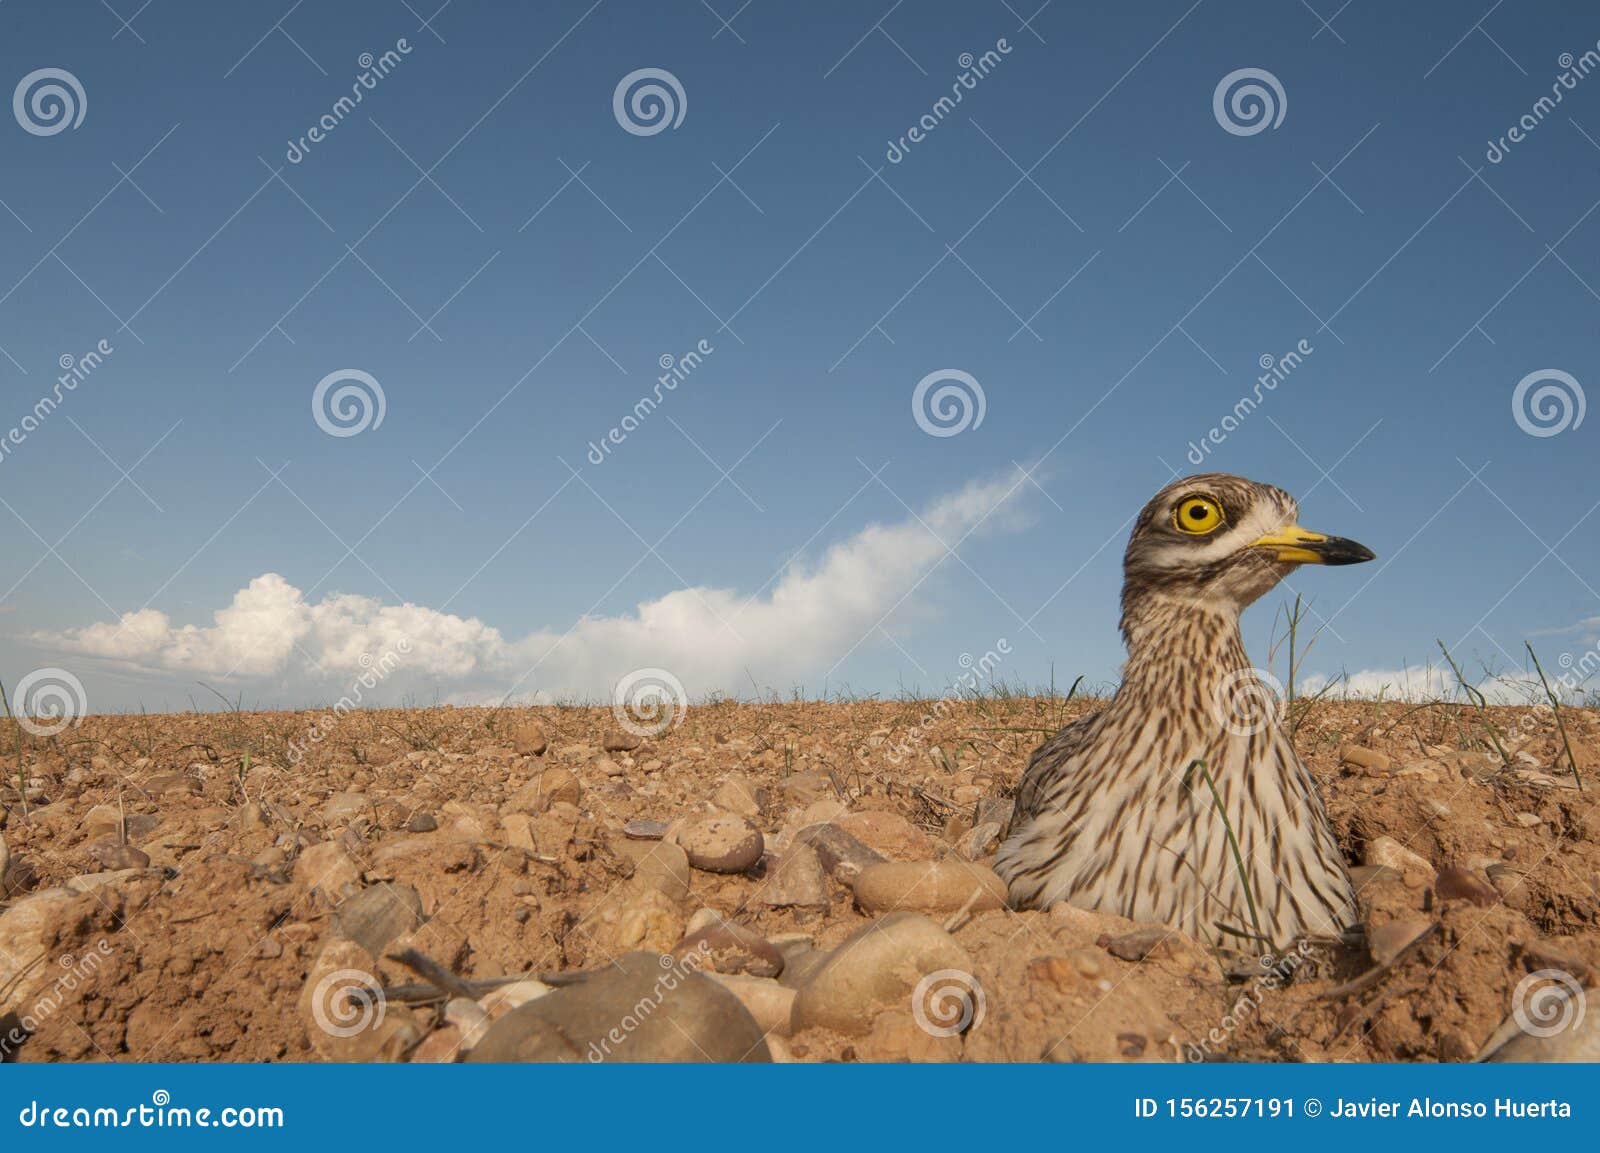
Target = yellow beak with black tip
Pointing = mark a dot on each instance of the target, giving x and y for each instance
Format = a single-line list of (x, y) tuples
[(1296, 545)]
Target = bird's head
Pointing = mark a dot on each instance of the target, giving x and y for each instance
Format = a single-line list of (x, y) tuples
[(1222, 541)]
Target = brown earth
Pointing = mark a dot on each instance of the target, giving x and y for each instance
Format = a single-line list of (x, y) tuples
[(179, 885)]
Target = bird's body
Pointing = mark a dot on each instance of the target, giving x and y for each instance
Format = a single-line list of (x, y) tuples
[(1118, 812)]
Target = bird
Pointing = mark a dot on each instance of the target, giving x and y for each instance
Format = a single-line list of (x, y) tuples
[(1183, 801)]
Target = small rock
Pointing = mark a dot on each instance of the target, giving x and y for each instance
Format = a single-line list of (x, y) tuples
[(896, 1035), (877, 967), (328, 870), (1528, 820), (824, 811), (344, 807), (647, 919), (929, 887), (469, 1018), (498, 1002), (771, 1004), (980, 841), (664, 867), (561, 785), (1390, 852), (1456, 883), (374, 917), (645, 830), (691, 1018), (113, 856), (1364, 758), (721, 843), (1137, 945), (730, 948), (618, 741), (805, 788), (529, 739), (610, 768), (422, 822), (173, 784), (796, 881), (1386, 942), (842, 856), (737, 795)]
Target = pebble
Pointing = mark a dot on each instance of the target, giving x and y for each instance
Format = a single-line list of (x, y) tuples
[(1390, 852), (328, 870), (1364, 758), (529, 739), (1137, 945), (607, 767), (113, 856), (796, 880), (422, 822), (1386, 942), (469, 1018), (730, 948), (721, 843), (1528, 820), (376, 916), (823, 812), (498, 1002), (980, 841), (929, 887), (737, 795), (771, 1004), (618, 741), (345, 1018), (1456, 883), (5, 862), (645, 830), (343, 807), (693, 1018), (664, 867), (842, 855), (877, 967)]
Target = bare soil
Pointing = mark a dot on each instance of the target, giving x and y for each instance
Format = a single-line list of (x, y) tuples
[(184, 925)]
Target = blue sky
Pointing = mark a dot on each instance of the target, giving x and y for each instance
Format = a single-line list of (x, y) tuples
[(482, 237)]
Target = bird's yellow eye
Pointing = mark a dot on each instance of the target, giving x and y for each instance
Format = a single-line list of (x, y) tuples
[(1197, 516)]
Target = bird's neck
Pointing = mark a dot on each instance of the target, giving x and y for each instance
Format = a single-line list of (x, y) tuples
[(1179, 651)]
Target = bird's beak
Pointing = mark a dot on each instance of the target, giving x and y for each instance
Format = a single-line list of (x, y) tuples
[(1296, 545)]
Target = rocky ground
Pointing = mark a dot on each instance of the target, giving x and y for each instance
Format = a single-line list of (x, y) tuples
[(785, 881)]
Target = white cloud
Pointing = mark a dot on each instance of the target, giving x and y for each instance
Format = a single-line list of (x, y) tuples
[(1437, 682), (808, 618)]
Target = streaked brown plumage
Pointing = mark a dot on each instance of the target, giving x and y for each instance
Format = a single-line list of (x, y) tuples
[(1111, 814)]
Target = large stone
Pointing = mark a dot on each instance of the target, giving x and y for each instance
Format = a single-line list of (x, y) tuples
[(842, 855), (929, 887), (374, 917), (796, 880), (634, 1010), (721, 843), (877, 967)]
